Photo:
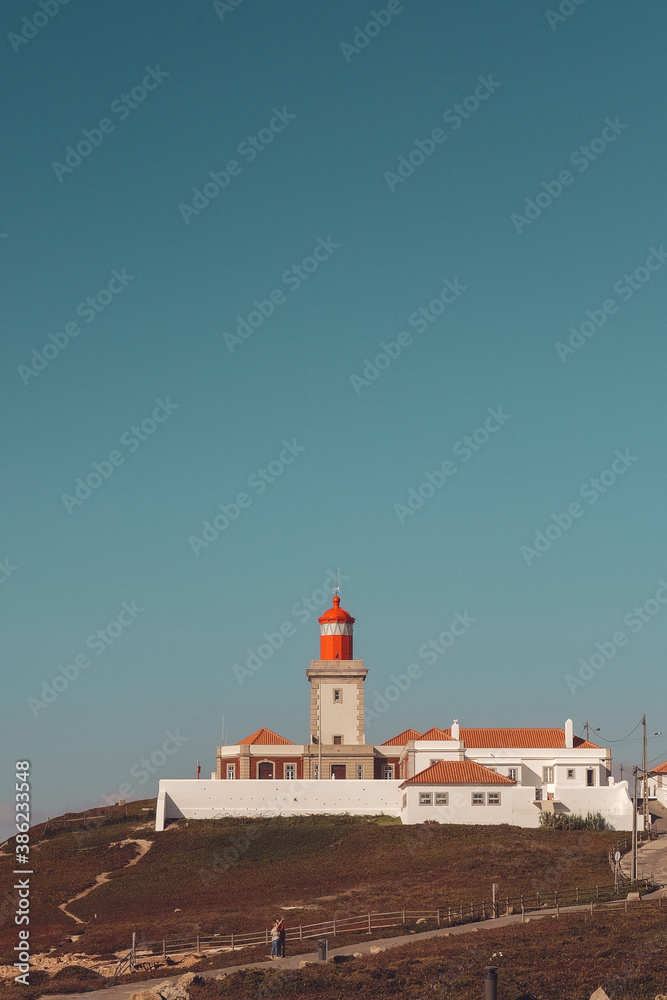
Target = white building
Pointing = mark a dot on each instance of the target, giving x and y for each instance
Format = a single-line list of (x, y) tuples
[(455, 775)]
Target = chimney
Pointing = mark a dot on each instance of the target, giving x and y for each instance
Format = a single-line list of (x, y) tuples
[(455, 729), (569, 742)]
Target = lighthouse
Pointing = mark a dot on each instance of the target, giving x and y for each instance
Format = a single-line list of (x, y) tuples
[(337, 701)]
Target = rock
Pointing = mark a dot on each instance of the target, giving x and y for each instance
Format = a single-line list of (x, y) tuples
[(423, 920), (357, 954), (303, 964), (188, 978), (222, 975), (633, 895), (146, 995), (599, 994), (375, 949)]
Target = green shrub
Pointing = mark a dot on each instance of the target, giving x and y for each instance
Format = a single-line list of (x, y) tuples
[(573, 821)]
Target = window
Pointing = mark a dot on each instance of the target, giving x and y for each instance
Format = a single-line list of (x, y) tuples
[(388, 772), (590, 777), (435, 761), (424, 798), (231, 772), (538, 794), (338, 695), (442, 798), (547, 775), (316, 772), (493, 799), (405, 799), (478, 798), (570, 773), (511, 773), (360, 771), (337, 741), (290, 772)]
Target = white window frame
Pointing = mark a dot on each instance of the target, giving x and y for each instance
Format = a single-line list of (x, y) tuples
[(290, 772), (477, 798), (512, 772), (338, 696), (231, 772), (425, 799), (442, 798), (493, 798), (548, 774), (360, 772), (388, 772), (316, 771), (405, 799), (570, 774)]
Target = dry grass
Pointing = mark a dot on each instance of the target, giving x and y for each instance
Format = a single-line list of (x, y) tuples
[(235, 875)]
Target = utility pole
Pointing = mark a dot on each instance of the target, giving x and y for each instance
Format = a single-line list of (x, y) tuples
[(645, 781), (634, 825), (586, 727)]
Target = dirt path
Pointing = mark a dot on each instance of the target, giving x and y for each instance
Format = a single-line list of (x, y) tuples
[(143, 845)]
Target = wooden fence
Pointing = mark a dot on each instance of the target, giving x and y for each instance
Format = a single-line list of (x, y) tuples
[(147, 952)]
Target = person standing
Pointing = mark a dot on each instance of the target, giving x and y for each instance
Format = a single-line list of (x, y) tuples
[(281, 938), (275, 940)]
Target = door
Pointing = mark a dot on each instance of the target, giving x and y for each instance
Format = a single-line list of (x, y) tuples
[(265, 770), (339, 772)]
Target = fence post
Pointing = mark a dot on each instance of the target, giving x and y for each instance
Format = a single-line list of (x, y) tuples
[(597, 892), (403, 916), (522, 906), (523, 911), (507, 906), (439, 912), (472, 911), (300, 932), (334, 927), (232, 941), (591, 907), (557, 906), (369, 923), (267, 935), (461, 912), (577, 892), (198, 952), (164, 949), (483, 909), (449, 913), (538, 900)]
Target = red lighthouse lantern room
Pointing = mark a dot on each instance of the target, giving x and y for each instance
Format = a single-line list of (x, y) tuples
[(336, 633)]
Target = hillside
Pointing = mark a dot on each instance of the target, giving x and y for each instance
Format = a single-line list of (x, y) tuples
[(234, 875)]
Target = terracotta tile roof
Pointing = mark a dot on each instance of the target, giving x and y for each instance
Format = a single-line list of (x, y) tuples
[(436, 734), (402, 738), (519, 738), (265, 738), (458, 772), (660, 769)]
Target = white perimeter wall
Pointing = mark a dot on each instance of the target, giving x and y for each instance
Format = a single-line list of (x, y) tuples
[(206, 799)]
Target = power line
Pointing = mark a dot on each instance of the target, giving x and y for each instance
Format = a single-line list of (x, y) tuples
[(625, 737)]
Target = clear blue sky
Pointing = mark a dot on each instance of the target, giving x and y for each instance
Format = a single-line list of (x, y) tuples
[(468, 183)]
